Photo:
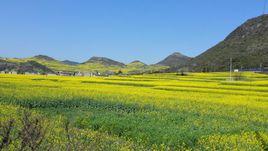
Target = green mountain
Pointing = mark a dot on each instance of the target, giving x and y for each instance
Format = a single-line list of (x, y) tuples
[(43, 57), (247, 46), (23, 67), (101, 64), (136, 64), (138, 67), (33, 67), (104, 61), (47, 61), (175, 60), (51, 63)]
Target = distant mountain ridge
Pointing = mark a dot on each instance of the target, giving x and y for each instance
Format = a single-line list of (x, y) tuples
[(72, 63), (247, 45), (94, 64)]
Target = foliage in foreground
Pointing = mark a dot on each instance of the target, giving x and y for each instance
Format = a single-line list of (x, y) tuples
[(30, 131)]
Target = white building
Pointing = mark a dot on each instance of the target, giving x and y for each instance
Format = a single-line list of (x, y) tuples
[(79, 74), (236, 70), (89, 74), (13, 72)]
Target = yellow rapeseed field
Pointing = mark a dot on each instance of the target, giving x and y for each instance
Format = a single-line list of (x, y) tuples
[(200, 111)]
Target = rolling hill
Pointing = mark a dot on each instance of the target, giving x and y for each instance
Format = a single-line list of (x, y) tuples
[(136, 64), (138, 67), (22, 67), (100, 64), (175, 60), (104, 61), (51, 63), (43, 57)]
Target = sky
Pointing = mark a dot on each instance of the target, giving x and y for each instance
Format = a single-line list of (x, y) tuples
[(123, 30)]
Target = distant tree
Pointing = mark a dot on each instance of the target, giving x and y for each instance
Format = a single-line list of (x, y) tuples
[(119, 72), (20, 72), (182, 71)]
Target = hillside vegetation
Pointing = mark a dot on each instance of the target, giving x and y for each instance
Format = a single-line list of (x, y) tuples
[(247, 46)]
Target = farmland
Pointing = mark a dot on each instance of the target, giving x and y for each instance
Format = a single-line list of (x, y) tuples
[(200, 111)]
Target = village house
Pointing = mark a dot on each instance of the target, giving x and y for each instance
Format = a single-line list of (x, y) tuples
[(13, 72), (91, 74), (65, 73), (79, 74), (88, 74), (236, 70), (108, 73)]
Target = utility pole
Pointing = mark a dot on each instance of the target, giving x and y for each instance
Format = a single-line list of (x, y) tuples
[(264, 7), (231, 68)]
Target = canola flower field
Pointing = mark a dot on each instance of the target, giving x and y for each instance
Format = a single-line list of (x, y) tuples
[(200, 111)]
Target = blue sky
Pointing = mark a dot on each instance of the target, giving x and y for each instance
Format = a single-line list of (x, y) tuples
[(124, 30)]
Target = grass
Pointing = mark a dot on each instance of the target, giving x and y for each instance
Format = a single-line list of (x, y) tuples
[(200, 111)]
